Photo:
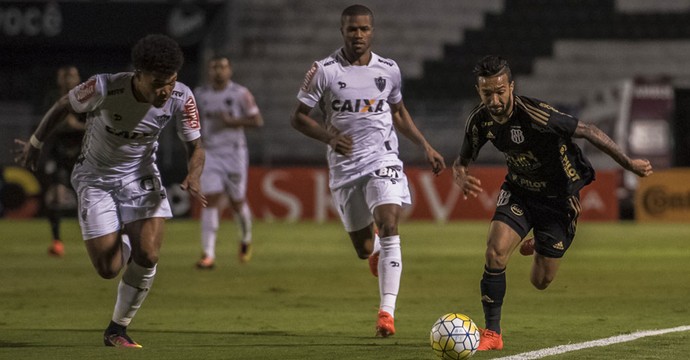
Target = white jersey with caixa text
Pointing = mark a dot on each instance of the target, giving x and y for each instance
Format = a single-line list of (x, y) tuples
[(355, 100), (121, 133)]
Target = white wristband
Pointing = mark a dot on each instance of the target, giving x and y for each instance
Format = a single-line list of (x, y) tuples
[(35, 142)]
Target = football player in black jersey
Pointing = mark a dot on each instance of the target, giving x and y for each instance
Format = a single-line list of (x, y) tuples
[(546, 171)]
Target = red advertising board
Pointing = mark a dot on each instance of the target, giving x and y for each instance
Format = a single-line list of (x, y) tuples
[(293, 194)]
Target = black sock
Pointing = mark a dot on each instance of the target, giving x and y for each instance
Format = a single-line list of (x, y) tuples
[(493, 288), (54, 217), (115, 328)]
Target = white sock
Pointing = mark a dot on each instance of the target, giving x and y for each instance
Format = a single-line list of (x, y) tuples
[(126, 249), (377, 243), (209, 229), (244, 221), (131, 292), (390, 270)]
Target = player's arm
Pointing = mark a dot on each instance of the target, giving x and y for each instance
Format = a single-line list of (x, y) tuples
[(196, 157), (28, 152), (590, 132), (469, 185), (302, 122), (254, 121), (404, 124)]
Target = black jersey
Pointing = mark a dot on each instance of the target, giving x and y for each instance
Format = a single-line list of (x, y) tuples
[(536, 141)]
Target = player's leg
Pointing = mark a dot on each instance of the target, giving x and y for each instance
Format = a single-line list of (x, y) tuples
[(508, 226), (210, 221), (53, 213), (213, 179), (501, 241), (146, 236), (237, 192), (243, 217), (553, 235), (143, 208)]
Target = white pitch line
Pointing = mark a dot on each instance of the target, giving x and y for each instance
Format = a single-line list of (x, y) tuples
[(538, 354)]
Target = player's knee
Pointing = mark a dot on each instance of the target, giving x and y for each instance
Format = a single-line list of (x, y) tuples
[(107, 272), (363, 252), (146, 259), (495, 259), (387, 229), (541, 283)]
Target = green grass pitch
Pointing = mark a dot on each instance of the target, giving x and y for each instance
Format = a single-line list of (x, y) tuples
[(305, 295)]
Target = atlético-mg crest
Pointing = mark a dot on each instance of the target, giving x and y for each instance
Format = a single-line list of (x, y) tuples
[(380, 83)]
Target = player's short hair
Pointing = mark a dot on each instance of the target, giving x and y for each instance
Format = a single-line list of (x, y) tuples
[(220, 56), (157, 53), (492, 65), (356, 10)]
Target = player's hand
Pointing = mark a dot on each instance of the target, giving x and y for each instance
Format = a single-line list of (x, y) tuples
[(641, 167), (469, 185), (193, 187), (436, 160), (25, 154), (342, 144)]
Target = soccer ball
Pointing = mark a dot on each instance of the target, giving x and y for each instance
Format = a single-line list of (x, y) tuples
[(454, 337)]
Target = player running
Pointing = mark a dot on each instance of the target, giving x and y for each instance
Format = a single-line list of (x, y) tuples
[(362, 101), (227, 108), (546, 171), (122, 204)]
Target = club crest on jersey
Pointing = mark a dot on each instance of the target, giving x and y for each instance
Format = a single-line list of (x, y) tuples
[(380, 83), (517, 136)]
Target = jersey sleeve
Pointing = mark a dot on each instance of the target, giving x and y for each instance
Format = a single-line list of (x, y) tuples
[(473, 140), (187, 119), (395, 95), (88, 95), (249, 107), (314, 85), (562, 124)]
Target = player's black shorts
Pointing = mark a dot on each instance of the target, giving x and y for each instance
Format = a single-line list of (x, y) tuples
[(554, 220)]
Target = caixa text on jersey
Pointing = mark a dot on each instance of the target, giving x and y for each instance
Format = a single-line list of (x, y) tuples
[(358, 105)]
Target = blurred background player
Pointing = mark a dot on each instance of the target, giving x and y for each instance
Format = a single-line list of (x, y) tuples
[(122, 203), (226, 108), (541, 192), (61, 154), (361, 94)]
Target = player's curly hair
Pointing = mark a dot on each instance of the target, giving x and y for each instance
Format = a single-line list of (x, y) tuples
[(157, 53), (492, 65), (357, 10)]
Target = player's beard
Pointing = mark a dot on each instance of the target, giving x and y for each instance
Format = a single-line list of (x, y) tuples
[(502, 112)]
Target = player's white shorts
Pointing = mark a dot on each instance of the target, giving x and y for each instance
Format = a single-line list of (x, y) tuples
[(356, 202), (104, 206), (226, 174)]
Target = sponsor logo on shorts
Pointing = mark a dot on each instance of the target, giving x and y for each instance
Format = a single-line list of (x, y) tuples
[(515, 209), (503, 198), (559, 246)]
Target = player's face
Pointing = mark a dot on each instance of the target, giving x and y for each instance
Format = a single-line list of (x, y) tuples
[(497, 95), (219, 71), (155, 88), (67, 78), (357, 33)]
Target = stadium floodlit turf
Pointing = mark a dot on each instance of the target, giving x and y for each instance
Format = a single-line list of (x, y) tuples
[(305, 295)]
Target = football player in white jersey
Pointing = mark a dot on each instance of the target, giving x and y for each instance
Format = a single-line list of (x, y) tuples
[(122, 204), (226, 108), (362, 101)]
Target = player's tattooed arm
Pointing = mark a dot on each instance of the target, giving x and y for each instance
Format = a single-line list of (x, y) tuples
[(195, 164), (641, 167)]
